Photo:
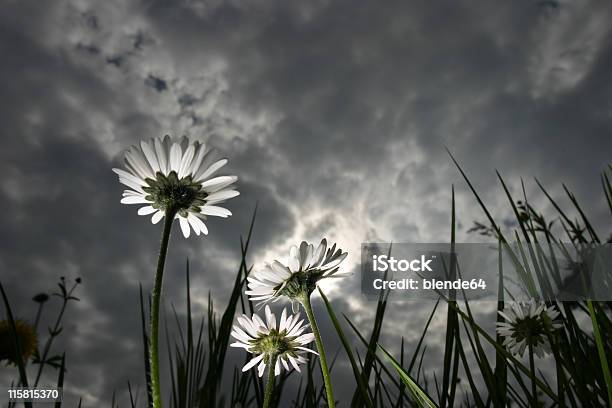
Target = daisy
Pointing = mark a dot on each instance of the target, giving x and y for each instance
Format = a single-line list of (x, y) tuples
[(175, 178), (305, 267), (297, 280), (27, 340), (274, 346), (526, 326)]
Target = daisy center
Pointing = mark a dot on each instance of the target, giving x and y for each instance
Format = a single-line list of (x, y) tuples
[(300, 284), (529, 329), (168, 192), (274, 342)]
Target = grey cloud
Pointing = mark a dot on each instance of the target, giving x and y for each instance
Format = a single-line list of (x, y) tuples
[(332, 113)]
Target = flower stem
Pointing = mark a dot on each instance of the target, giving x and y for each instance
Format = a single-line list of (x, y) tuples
[(270, 384), (38, 314), (155, 299), (305, 300)]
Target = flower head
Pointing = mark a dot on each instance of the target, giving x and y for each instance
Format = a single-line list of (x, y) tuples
[(305, 267), (175, 178), (284, 342), (41, 298), (26, 337), (527, 324)]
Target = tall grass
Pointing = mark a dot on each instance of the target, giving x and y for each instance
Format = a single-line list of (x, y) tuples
[(473, 356)]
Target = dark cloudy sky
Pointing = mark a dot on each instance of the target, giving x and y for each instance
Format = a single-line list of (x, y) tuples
[(334, 115)]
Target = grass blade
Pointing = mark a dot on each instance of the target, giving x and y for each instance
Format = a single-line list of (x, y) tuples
[(601, 351), (361, 384), (60, 379), (20, 364), (418, 394)]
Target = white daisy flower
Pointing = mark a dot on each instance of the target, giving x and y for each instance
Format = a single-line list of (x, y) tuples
[(527, 325), (176, 177), (283, 343), (305, 267)]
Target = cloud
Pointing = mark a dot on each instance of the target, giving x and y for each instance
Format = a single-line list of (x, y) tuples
[(335, 116)]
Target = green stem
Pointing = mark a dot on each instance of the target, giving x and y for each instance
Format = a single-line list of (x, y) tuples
[(270, 384), (533, 373), (155, 299), (305, 300), (38, 313)]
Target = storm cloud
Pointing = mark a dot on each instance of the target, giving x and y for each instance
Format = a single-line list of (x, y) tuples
[(334, 115)]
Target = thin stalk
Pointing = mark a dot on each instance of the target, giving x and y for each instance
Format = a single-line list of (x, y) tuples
[(52, 335), (534, 392), (38, 314), (305, 300), (270, 383), (155, 299)]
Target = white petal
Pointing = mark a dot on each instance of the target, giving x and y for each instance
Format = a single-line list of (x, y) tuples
[(283, 320), (212, 169), (134, 200), (302, 254), (294, 363), (175, 157), (222, 195), (240, 345), (293, 262), (133, 185), (259, 323), (319, 253), (197, 224), (240, 334), (186, 161), (280, 269), (307, 350), (305, 338), (150, 156), (146, 210), (200, 154), (184, 226), (251, 363), (270, 318), (136, 158), (215, 211), (218, 182), (162, 155), (284, 363), (157, 217), (130, 176)]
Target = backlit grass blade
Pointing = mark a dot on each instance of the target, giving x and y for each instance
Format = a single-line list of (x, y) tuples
[(60, 378), (601, 351), (219, 339), (423, 333), (452, 324), (607, 187), (508, 356), (133, 401), (365, 343), (500, 362), (588, 225), (361, 384), (370, 357), (419, 395)]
